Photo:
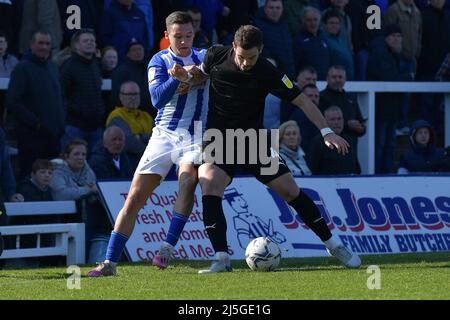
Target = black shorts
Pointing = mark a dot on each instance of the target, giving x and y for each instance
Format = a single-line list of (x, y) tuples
[(264, 168)]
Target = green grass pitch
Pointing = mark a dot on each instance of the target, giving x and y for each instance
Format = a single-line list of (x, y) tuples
[(407, 276)]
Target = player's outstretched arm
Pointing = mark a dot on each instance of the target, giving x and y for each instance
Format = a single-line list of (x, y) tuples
[(332, 140)]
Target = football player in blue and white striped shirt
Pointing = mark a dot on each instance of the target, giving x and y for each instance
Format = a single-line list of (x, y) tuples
[(182, 106)]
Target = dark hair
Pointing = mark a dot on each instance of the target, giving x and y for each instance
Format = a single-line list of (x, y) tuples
[(178, 17), (76, 36), (332, 13), (35, 33), (337, 67), (71, 145), (248, 37), (40, 164), (3, 35)]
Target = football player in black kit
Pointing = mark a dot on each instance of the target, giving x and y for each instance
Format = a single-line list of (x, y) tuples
[(239, 84)]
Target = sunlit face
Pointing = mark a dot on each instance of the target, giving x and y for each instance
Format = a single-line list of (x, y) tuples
[(336, 79), (312, 94), (76, 159), (181, 37), (245, 59), (114, 141), (422, 136), (273, 10), (41, 46), (110, 59), (333, 26), (43, 177), (335, 120), (130, 95), (304, 78), (292, 137)]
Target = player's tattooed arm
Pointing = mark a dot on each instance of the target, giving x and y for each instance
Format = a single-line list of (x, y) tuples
[(332, 140)]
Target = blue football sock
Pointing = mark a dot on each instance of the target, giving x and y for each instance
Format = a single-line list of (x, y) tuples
[(176, 227), (115, 246)]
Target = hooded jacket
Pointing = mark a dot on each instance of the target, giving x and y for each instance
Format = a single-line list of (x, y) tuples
[(420, 158), (67, 184)]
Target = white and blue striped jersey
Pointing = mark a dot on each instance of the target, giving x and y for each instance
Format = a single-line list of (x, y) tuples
[(176, 108)]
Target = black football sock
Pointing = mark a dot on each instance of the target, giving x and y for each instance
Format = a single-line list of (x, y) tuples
[(215, 223), (311, 216)]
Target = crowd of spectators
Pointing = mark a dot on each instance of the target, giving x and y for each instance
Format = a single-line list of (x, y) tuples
[(61, 113)]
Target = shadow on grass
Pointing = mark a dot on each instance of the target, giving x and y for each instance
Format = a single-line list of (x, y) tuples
[(33, 276)]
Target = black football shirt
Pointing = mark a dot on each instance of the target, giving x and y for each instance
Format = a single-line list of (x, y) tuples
[(237, 98)]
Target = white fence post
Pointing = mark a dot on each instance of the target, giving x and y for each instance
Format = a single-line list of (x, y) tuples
[(76, 249), (447, 119)]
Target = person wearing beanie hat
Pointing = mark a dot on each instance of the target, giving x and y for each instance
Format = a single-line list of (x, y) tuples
[(391, 29), (393, 37)]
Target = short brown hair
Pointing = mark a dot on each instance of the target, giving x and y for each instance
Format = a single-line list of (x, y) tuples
[(178, 17), (248, 37), (71, 145), (41, 164)]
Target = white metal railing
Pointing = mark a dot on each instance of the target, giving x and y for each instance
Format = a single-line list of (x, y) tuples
[(70, 241), (70, 237), (366, 98)]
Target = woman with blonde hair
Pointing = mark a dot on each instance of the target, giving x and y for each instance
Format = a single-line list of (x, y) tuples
[(290, 149)]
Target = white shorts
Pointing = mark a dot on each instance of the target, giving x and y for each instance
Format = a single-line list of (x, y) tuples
[(166, 148)]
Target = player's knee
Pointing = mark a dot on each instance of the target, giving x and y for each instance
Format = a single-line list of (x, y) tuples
[(289, 194), (136, 200), (209, 188)]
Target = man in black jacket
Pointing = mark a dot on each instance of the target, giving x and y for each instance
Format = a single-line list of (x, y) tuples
[(334, 94), (324, 161), (35, 100), (82, 85), (132, 69), (108, 160), (384, 65)]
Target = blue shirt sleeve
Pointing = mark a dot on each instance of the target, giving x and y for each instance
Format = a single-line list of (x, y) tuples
[(162, 87)]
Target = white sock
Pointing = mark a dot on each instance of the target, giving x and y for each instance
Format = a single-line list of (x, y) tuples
[(111, 263), (332, 243)]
